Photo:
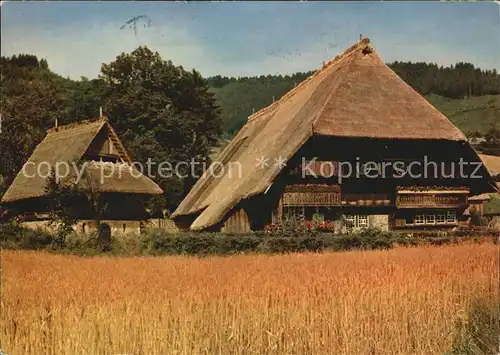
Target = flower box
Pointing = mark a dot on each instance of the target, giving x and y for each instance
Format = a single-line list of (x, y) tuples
[(312, 188)]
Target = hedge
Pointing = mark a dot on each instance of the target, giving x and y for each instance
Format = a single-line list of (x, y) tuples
[(160, 242)]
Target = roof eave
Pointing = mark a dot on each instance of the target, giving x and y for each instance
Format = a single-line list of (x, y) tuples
[(462, 139)]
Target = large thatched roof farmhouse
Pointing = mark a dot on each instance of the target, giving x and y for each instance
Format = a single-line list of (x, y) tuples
[(354, 109), (108, 172)]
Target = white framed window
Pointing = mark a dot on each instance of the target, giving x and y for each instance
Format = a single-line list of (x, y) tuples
[(362, 221), (419, 219), (441, 218), (351, 221), (451, 217), (357, 221), (293, 211), (430, 218)]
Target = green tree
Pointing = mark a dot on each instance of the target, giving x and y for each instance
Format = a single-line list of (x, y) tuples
[(3, 187), (31, 100), (44, 64), (85, 99), (493, 136), (70, 199), (162, 112)]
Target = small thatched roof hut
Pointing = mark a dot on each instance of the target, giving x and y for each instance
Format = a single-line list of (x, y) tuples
[(87, 140)]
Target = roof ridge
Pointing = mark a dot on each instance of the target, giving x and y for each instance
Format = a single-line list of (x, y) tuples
[(361, 44), (77, 124)]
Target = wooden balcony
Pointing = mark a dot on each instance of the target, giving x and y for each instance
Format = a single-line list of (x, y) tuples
[(431, 199), (312, 188), (311, 195), (311, 199)]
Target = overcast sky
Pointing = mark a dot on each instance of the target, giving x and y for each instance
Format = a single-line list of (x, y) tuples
[(243, 39)]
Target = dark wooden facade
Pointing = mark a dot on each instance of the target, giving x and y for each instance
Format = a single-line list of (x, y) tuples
[(238, 222), (433, 201)]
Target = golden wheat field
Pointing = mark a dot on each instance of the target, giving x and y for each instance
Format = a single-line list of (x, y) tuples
[(402, 301)]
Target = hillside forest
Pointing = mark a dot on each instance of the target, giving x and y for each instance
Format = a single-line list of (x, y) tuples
[(167, 113)]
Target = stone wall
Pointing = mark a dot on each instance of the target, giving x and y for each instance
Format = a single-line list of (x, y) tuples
[(87, 227), (43, 225), (117, 227), (380, 221)]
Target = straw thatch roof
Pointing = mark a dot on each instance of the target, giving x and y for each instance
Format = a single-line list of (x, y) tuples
[(353, 95), (479, 198), (68, 144), (492, 163)]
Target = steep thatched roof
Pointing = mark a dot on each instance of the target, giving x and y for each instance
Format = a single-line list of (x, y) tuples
[(492, 164), (479, 198), (121, 178), (69, 144), (353, 95)]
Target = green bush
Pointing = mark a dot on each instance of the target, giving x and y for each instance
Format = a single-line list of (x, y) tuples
[(279, 245), (314, 243), (439, 240), (13, 236), (407, 240), (475, 218), (160, 242), (476, 232), (229, 244), (345, 242), (104, 237)]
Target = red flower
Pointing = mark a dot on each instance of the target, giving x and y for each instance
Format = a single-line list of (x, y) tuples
[(270, 228)]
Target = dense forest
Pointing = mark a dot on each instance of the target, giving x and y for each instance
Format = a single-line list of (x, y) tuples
[(165, 112), (457, 81), (443, 86)]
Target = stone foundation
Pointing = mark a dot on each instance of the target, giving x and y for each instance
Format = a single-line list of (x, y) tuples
[(118, 227), (87, 227), (380, 221)]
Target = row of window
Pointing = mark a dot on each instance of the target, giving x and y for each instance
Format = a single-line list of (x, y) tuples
[(431, 218), (361, 221), (84, 228), (357, 221)]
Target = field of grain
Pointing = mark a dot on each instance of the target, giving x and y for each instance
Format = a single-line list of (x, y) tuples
[(402, 301)]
